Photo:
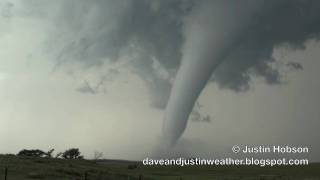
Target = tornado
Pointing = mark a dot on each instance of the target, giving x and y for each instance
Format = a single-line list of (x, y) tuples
[(211, 31)]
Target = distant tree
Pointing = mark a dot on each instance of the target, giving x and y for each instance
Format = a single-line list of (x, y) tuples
[(49, 153), (97, 155), (59, 155), (72, 153), (32, 153)]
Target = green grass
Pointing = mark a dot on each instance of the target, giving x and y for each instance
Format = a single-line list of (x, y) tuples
[(20, 168)]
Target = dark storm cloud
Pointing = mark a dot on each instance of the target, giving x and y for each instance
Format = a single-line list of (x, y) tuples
[(280, 23), (96, 32)]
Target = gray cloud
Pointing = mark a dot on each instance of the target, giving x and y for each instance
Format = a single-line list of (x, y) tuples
[(6, 9), (87, 88), (100, 85), (289, 23), (98, 32)]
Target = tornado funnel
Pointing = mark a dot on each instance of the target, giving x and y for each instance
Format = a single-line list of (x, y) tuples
[(205, 48)]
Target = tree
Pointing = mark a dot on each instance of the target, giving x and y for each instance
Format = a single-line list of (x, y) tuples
[(32, 153), (59, 154), (49, 153), (97, 155), (72, 153)]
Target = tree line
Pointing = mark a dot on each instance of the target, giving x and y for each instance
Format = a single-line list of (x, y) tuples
[(72, 153)]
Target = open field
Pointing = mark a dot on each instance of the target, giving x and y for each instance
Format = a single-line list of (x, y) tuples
[(20, 168)]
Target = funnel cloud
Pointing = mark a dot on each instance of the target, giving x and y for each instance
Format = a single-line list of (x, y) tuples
[(205, 48)]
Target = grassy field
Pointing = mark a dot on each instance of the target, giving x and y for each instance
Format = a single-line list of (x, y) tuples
[(20, 168)]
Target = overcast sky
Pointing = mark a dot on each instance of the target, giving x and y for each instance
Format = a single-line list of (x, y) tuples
[(97, 75)]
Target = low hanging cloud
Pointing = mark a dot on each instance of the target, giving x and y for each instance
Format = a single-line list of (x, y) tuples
[(150, 35)]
